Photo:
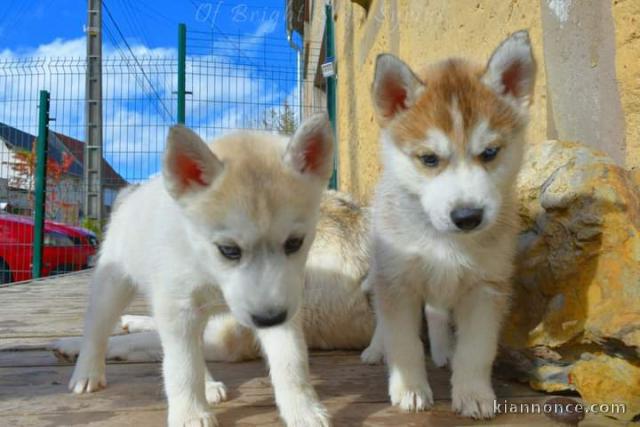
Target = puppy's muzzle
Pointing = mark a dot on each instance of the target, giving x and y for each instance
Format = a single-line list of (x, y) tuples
[(269, 318)]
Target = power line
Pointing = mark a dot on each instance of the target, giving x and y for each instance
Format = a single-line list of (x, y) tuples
[(152, 12), (117, 27), (20, 13), (131, 67), (134, 23)]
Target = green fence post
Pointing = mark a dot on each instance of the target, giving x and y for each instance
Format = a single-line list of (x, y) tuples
[(331, 88), (182, 69), (41, 183)]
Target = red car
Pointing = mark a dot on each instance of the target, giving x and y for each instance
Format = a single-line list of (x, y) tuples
[(66, 248)]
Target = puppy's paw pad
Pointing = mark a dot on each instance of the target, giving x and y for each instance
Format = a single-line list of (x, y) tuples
[(371, 355), (66, 349), (474, 402), (215, 391), (412, 399), (87, 384)]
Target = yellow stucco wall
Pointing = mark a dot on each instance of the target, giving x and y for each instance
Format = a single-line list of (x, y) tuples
[(420, 32), (626, 15)]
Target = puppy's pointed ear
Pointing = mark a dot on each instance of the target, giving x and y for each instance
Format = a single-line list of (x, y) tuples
[(310, 150), (395, 88), (189, 164), (511, 71)]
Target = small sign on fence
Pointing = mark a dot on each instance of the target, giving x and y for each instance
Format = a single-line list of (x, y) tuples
[(329, 68)]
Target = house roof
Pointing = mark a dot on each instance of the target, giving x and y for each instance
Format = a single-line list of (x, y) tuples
[(297, 11), (59, 144), (21, 140), (110, 177)]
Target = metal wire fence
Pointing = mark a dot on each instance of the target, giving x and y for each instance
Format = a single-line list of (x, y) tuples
[(232, 82)]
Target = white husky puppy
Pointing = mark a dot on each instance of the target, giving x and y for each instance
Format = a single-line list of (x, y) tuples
[(237, 216), (336, 314), (444, 217)]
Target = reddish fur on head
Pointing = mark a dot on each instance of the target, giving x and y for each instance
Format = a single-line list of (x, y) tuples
[(446, 81)]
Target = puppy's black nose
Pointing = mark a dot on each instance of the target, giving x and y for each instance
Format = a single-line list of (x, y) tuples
[(270, 318), (467, 219)]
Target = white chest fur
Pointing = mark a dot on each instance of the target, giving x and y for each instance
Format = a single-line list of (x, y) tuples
[(439, 267)]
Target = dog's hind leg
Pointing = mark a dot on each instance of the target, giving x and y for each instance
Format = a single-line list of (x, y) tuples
[(111, 292), (215, 391), (133, 323), (440, 335), (226, 340), (374, 354), (136, 347)]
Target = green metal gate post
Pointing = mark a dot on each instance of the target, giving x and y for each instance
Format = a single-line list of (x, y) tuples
[(331, 87), (182, 69), (41, 183)]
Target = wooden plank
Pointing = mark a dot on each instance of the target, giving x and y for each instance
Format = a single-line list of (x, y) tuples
[(355, 415), (344, 366), (33, 382), (50, 307), (30, 390), (367, 414)]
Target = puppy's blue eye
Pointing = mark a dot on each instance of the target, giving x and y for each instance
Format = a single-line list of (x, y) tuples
[(231, 252), (293, 245), (489, 154), (429, 160)]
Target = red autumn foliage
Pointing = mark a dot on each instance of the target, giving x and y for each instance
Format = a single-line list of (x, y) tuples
[(24, 166)]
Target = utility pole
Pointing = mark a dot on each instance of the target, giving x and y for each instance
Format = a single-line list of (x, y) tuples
[(93, 114)]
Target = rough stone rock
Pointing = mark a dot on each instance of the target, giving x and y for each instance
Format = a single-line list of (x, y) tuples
[(605, 379), (577, 283)]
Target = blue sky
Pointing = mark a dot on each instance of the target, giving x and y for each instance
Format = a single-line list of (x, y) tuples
[(26, 24), (258, 75)]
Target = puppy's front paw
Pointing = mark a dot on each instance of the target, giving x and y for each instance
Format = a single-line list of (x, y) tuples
[(215, 391), (66, 349), (87, 380), (413, 398), (202, 419), (305, 414), (473, 400), (371, 355)]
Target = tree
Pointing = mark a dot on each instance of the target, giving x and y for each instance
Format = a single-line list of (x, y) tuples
[(286, 124), (24, 166), (281, 119)]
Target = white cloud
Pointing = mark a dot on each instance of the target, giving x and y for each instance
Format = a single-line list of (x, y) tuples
[(266, 27), (226, 95)]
